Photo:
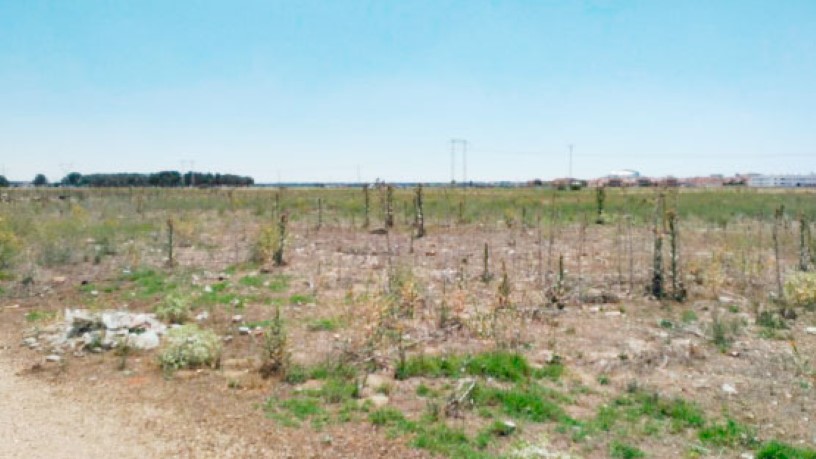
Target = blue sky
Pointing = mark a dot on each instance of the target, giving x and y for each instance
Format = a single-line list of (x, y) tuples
[(308, 90)]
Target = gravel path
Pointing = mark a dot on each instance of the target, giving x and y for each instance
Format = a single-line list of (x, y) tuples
[(37, 422)]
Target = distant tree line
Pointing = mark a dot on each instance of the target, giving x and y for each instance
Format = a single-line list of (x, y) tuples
[(157, 179)]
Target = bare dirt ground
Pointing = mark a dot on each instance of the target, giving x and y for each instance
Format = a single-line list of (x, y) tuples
[(87, 407), (44, 421)]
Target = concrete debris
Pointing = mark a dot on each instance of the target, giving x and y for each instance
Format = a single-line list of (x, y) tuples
[(84, 330)]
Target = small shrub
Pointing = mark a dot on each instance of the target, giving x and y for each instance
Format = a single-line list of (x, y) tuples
[(189, 346), (275, 356), (267, 245), (174, 309), (800, 289)]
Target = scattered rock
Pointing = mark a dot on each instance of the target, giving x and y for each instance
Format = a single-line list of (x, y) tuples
[(244, 330), (103, 330), (237, 318), (729, 389), (30, 342), (59, 280), (810, 330), (144, 341), (613, 313), (202, 316), (53, 358)]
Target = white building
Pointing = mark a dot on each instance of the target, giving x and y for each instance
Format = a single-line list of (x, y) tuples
[(783, 181), (624, 174)]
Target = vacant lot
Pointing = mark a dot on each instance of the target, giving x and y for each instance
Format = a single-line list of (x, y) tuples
[(523, 323)]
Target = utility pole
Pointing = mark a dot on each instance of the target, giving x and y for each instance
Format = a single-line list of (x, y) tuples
[(453, 160), (464, 162), (570, 162)]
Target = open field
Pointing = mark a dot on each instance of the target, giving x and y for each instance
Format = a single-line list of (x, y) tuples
[(525, 323)]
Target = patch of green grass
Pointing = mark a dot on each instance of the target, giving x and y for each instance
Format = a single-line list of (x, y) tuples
[(729, 434), (689, 316), (505, 366), (40, 316), (386, 416), (150, 283), (432, 367), (501, 365), (298, 374), (779, 450), (551, 371), (649, 412), (530, 402), (323, 325), (620, 450), (291, 412), (279, 283), (301, 299), (424, 391), (434, 436), (251, 281), (439, 438)]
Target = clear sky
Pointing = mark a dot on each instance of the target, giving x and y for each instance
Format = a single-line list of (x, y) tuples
[(312, 90)]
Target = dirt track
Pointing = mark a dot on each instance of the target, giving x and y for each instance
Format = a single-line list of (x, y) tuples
[(37, 421)]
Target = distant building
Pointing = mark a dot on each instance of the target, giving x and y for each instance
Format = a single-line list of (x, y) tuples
[(624, 174), (782, 181)]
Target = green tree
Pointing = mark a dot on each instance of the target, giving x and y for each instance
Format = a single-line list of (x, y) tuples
[(40, 180), (4, 183), (72, 179)]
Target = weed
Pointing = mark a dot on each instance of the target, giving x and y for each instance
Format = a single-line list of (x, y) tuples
[(275, 355), (174, 309)]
